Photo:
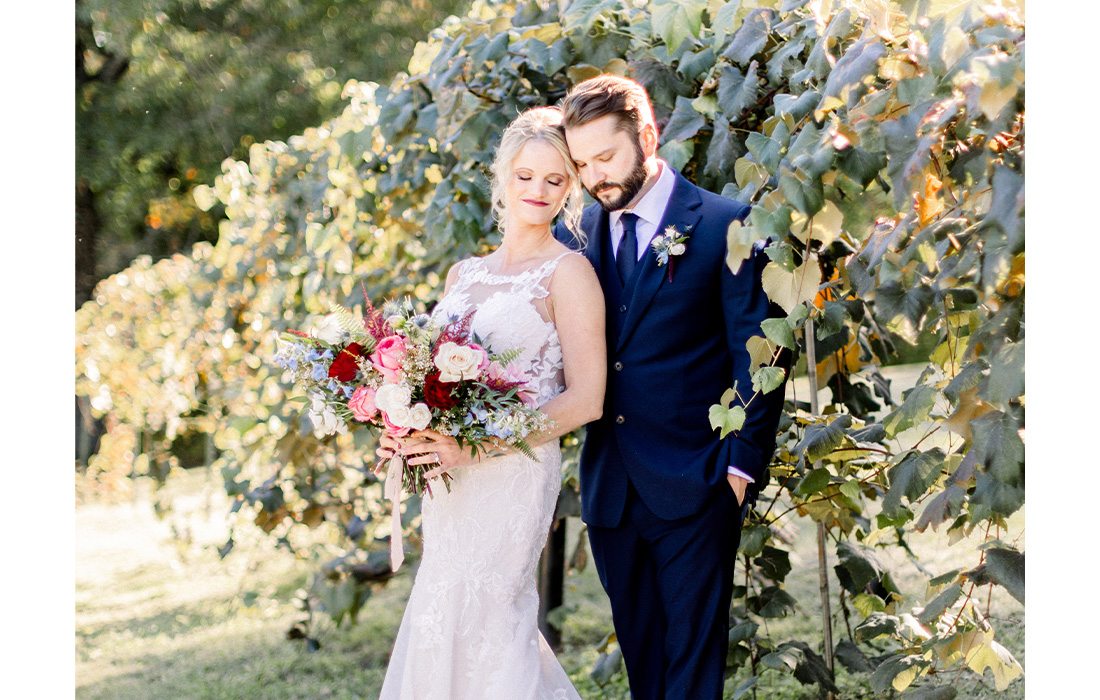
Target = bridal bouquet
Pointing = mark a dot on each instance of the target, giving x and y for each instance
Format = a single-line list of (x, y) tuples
[(405, 372)]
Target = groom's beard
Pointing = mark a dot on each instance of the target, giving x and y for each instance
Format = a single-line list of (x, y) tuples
[(630, 186)]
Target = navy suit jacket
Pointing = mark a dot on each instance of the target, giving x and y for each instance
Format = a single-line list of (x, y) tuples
[(673, 348)]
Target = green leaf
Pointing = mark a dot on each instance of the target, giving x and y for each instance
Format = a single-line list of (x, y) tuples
[(796, 106), (876, 625), (1006, 375), (779, 332), (675, 21), (581, 15), (765, 150), (805, 193), (742, 632), (684, 123), (744, 687), (724, 22), (738, 91), (774, 602), (898, 672), (693, 65), (774, 563), (677, 153), (751, 38), (1002, 566), (813, 482), (721, 152), (768, 379), (967, 378), (940, 604), (726, 420), (857, 567), (912, 478), (858, 62), (752, 540), (820, 439), (861, 165), (853, 657), (805, 664), (914, 411), (852, 490), (997, 446)]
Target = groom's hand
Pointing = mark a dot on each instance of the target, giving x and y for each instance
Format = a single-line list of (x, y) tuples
[(739, 487)]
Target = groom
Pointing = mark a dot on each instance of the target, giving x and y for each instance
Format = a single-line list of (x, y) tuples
[(662, 495)]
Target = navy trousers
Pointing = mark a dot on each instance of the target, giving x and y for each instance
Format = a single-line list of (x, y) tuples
[(670, 583)]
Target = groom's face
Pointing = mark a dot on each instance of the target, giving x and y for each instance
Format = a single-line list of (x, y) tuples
[(610, 161)]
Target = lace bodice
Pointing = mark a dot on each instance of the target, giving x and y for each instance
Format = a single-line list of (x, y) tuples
[(510, 311)]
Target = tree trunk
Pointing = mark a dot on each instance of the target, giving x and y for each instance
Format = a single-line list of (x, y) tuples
[(552, 581), (87, 227)]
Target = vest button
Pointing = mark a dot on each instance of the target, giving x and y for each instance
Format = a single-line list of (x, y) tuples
[(622, 309), (618, 366), (620, 420)]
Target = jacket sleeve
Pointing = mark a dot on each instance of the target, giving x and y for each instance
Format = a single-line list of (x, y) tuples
[(745, 305)]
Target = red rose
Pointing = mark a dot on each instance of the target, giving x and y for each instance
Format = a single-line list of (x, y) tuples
[(344, 366), (437, 394)]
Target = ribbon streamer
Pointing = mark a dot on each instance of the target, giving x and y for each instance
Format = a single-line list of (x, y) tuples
[(392, 491)]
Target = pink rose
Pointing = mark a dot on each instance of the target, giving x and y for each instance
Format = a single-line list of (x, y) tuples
[(362, 405), (483, 362), (393, 430), (388, 356)]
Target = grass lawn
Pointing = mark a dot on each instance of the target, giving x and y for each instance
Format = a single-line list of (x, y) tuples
[(160, 616), (157, 618)]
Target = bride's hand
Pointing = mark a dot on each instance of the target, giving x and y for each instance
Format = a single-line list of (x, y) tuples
[(388, 446), (427, 447)]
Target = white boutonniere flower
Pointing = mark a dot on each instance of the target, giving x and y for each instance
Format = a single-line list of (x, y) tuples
[(668, 246)]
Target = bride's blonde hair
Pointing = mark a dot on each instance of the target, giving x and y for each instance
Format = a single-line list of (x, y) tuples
[(537, 124)]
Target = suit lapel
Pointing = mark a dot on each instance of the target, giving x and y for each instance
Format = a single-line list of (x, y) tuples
[(683, 213)]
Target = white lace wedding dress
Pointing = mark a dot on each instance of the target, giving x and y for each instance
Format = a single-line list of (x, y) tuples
[(470, 629)]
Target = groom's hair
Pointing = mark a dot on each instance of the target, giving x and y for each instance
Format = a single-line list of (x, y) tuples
[(608, 94)]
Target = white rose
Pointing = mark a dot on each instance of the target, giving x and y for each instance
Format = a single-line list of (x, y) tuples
[(419, 416), (390, 397), (325, 419), (457, 362), (401, 416), (677, 249), (329, 330)]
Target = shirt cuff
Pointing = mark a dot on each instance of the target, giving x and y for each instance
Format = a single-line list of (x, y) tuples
[(737, 472)]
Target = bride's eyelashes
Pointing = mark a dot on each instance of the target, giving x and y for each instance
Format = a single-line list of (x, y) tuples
[(554, 183)]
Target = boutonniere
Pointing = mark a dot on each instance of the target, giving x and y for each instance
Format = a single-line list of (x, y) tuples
[(668, 246)]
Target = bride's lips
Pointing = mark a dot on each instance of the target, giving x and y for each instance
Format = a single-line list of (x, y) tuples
[(536, 203)]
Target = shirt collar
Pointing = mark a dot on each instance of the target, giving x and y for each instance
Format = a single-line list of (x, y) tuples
[(653, 204)]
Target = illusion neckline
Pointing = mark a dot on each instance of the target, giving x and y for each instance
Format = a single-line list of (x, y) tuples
[(480, 260)]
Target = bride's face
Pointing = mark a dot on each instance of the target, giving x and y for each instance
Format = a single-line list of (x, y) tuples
[(538, 185)]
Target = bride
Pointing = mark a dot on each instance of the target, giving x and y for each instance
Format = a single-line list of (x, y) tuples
[(470, 629)]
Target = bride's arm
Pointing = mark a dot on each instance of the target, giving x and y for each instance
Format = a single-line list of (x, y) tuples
[(577, 307)]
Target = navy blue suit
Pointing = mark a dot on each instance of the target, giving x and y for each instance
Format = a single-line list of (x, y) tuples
[(664, 524)]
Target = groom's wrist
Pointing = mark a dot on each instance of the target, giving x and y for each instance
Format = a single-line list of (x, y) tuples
[(738, 473)]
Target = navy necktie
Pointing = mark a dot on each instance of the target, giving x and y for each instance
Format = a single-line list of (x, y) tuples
[(627, 258)]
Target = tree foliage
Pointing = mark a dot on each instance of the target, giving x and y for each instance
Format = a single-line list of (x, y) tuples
[(167, 89), (883, 155)]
